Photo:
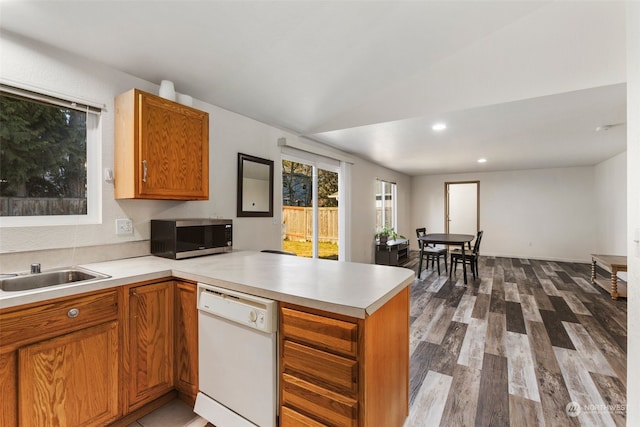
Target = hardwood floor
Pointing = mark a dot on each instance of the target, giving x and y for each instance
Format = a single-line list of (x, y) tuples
[(516, 346)]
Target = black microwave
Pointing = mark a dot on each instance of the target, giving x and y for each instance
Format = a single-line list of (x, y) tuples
[(186, 238)]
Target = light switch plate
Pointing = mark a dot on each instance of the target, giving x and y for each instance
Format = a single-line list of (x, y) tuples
[(108, 175), (124, 226)]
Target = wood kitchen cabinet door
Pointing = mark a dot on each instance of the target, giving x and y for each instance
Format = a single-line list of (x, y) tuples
[(9, 389), (161, 149), (150, 342), (186, 340), (71, 380)]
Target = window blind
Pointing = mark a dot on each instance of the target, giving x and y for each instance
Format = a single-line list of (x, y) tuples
[(17, 92)]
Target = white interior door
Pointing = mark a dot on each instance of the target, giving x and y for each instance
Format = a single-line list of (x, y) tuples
[(462, 207)]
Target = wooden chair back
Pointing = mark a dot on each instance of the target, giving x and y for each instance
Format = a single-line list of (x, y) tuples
[(419, 233), (476, 245)]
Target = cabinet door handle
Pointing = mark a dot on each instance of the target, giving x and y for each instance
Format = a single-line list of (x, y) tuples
[(73, 313), (144, 171)]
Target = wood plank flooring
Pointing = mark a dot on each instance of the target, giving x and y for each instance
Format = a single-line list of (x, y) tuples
[(516, 346)]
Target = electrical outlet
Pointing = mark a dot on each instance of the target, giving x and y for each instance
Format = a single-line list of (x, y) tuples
[(124, 226)]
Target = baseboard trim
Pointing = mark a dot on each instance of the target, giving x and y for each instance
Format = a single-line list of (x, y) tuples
[(539, 258)]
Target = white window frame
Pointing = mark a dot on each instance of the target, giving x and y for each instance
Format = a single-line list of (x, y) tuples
[(94, 163), (380, 184)]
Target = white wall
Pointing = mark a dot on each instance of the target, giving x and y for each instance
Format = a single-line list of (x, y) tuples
[(541, 213), (53, 70), (611, 205), (56, 71), (633, 211)]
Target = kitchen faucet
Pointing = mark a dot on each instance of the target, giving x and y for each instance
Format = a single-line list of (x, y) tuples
[(35, 268)]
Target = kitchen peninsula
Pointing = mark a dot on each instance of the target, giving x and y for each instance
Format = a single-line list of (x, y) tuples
[(353, 317)]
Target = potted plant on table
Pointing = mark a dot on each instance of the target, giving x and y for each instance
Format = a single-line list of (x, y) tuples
[(386, 233)]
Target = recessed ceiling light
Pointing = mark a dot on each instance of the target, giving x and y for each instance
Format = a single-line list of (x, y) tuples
[(439, 126), (482, 160)]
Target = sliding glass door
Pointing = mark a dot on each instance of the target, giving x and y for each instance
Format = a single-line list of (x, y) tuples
[(310, 211)]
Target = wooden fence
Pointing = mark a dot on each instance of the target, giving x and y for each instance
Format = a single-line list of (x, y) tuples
[(31, 206), (298, 223)]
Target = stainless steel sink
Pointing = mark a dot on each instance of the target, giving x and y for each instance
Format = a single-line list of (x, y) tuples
[(23, 282)]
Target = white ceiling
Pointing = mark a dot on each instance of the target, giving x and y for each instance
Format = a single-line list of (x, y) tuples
[(523, 84)]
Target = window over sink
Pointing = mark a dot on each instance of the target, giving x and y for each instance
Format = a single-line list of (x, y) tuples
[(49, 160)]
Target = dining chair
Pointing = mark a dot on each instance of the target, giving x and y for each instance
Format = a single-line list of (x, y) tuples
[(431, 252), (470, 258)]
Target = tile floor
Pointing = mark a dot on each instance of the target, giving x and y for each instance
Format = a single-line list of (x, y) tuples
[(174, 414)]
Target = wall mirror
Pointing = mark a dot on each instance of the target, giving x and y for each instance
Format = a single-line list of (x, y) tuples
[(255, 186)]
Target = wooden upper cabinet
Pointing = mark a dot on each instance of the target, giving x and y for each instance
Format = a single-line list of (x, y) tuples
[(161, 149)]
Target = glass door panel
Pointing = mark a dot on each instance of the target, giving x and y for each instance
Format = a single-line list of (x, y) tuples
[(309, 210), (297, 204), (327, 214)]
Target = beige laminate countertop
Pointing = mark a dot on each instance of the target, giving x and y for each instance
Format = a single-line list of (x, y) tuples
[(347, 288)]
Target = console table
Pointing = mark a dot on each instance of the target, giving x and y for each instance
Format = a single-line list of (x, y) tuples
[(615, 264), (393, 252)]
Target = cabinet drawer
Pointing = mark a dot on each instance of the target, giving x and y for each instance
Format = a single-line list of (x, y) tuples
[(52, 319), (324, 332), (320, 404), (320, 367), (291, 418)]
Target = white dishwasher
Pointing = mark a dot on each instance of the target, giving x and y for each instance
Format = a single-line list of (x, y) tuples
[(237, 349)]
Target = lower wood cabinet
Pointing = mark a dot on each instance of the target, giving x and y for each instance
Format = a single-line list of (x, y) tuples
[(319, 375), (92, 359), (343, 371), (9, 389), (60, 362), (71, 380), (289, 417), (149, 342), (186, 341)]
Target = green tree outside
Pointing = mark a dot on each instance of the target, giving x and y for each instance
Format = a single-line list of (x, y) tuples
[(297, 186), (43, 150)]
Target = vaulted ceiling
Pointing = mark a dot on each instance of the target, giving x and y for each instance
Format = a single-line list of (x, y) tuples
[(522, 84)]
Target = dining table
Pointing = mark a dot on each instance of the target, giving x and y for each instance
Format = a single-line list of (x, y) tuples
[(445, 239)]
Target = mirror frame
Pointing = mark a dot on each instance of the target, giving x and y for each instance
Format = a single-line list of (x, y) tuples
[(240, 212)]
